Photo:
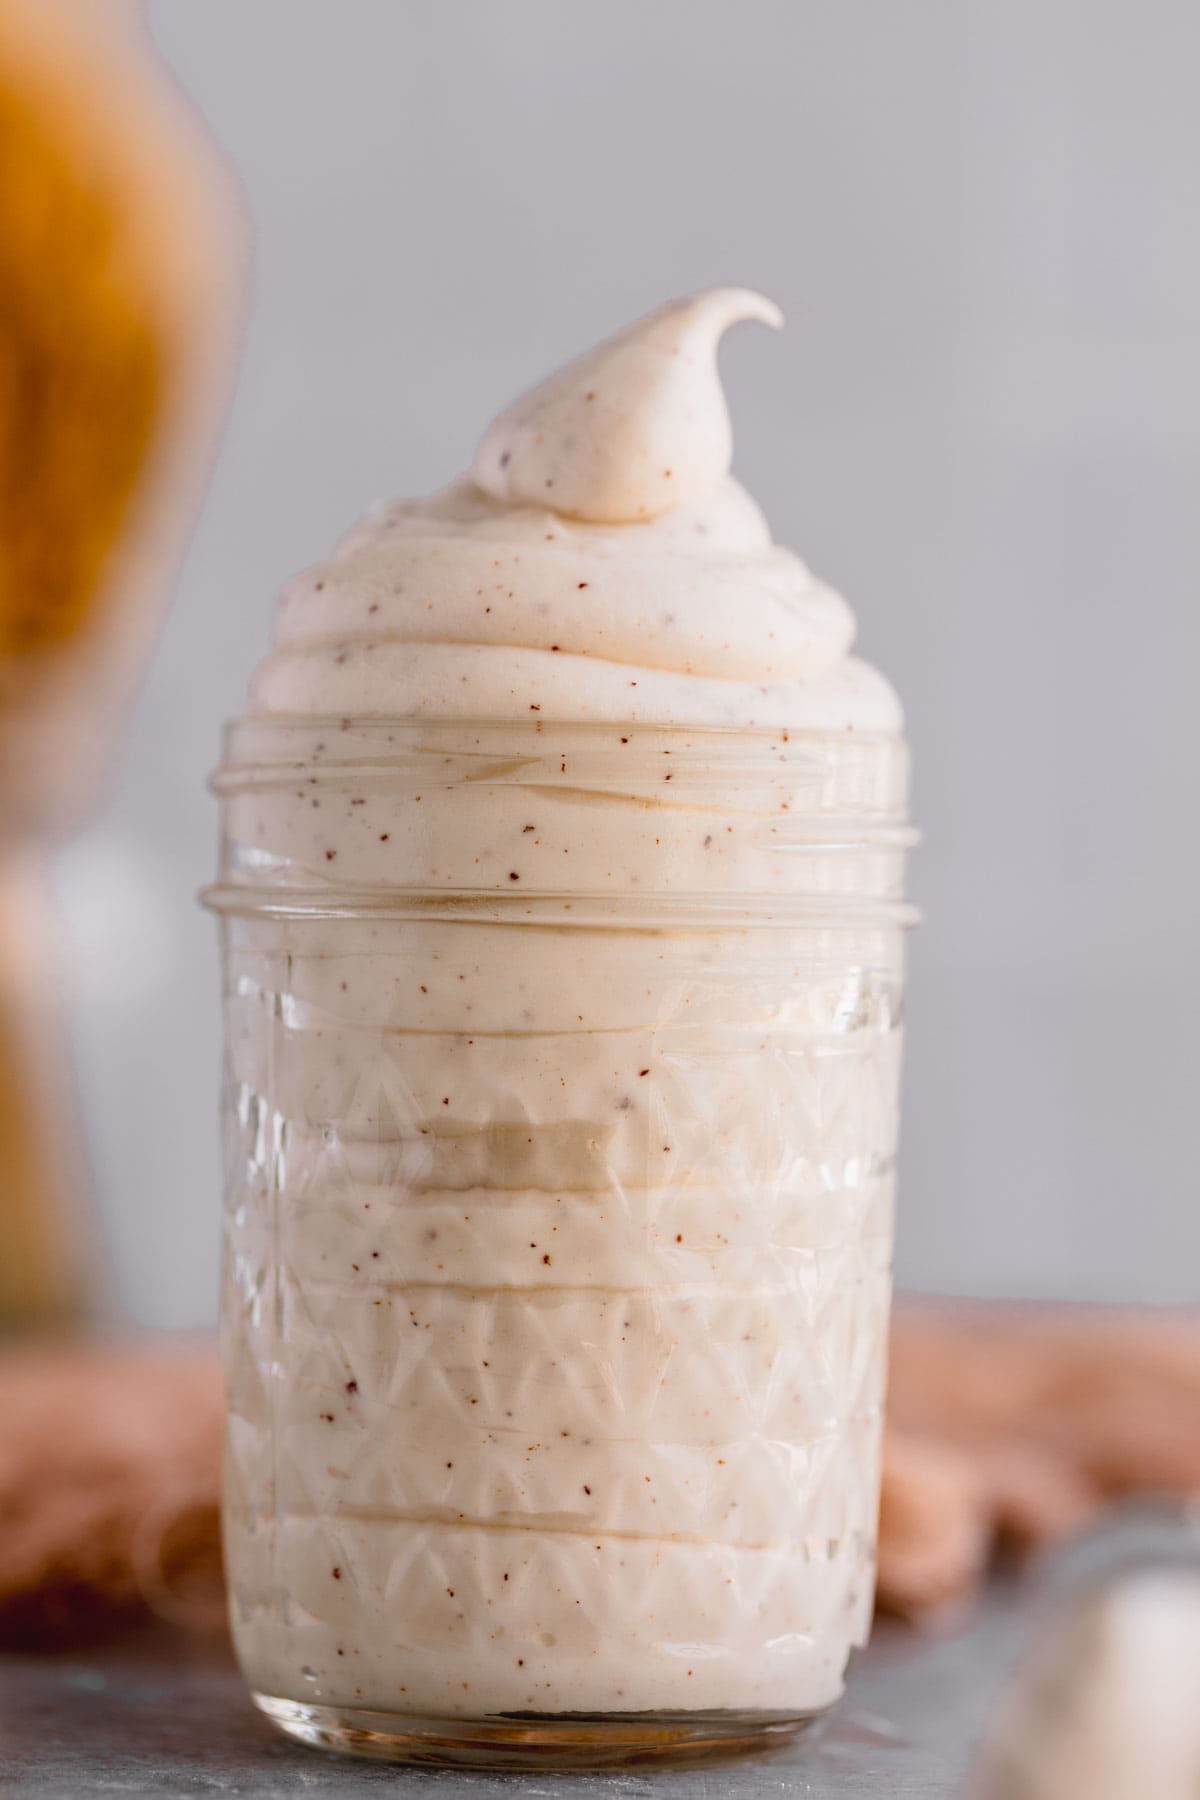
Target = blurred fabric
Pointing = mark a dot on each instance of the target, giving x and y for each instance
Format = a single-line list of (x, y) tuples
[(1006, 1430)]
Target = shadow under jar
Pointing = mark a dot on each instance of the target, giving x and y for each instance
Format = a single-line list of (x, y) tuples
[(561, 1106)]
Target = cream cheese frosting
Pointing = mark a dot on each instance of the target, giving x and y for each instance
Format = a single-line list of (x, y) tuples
[(598, 563), (563, 1035)]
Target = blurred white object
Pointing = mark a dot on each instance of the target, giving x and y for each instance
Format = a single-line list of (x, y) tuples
[(130, 966), (1108, 1707), (118, 923)]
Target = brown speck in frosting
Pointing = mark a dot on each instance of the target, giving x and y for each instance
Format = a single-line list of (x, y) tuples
[(505, 458), (336, 1573), (374, 607), (329, 855), (526, 828), (513, 876), (581, 584), (643, 1071), (383, 836), (352, 1387)]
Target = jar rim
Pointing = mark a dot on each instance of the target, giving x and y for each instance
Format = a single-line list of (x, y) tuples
[(820, 818), (575, 912), (263, 740)]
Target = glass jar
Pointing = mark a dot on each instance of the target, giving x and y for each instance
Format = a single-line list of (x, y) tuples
[(561, 1102)]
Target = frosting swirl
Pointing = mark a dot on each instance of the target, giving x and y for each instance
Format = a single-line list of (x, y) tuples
[(633, 429), (598, 563)]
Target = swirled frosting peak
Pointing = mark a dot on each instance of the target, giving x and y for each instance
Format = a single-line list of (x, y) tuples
[(635, 428), (598, 563)]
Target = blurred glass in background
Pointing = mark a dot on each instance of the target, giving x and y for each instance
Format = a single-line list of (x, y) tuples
[(117, 287)]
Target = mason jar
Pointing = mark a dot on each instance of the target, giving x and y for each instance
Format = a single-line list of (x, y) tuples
[(561, 1108)]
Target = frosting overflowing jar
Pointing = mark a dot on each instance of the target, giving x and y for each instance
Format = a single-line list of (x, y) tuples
[(562, 919)]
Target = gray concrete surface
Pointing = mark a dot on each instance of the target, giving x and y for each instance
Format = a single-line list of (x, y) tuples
[(151, 1724)]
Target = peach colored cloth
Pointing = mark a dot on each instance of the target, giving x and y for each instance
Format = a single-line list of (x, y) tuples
[(109, 1461), (1006, 1426), (1013, 1426)]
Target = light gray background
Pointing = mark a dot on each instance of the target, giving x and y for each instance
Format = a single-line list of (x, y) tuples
[(983, 423)]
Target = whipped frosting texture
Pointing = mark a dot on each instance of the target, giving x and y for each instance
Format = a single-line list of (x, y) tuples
[(562, 873), (634, 429), (598, 563)]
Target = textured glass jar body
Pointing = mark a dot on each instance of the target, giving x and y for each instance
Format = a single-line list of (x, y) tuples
[(562, 1075)]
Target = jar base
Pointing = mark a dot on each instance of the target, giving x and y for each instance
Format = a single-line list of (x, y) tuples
[(532, 1741)]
